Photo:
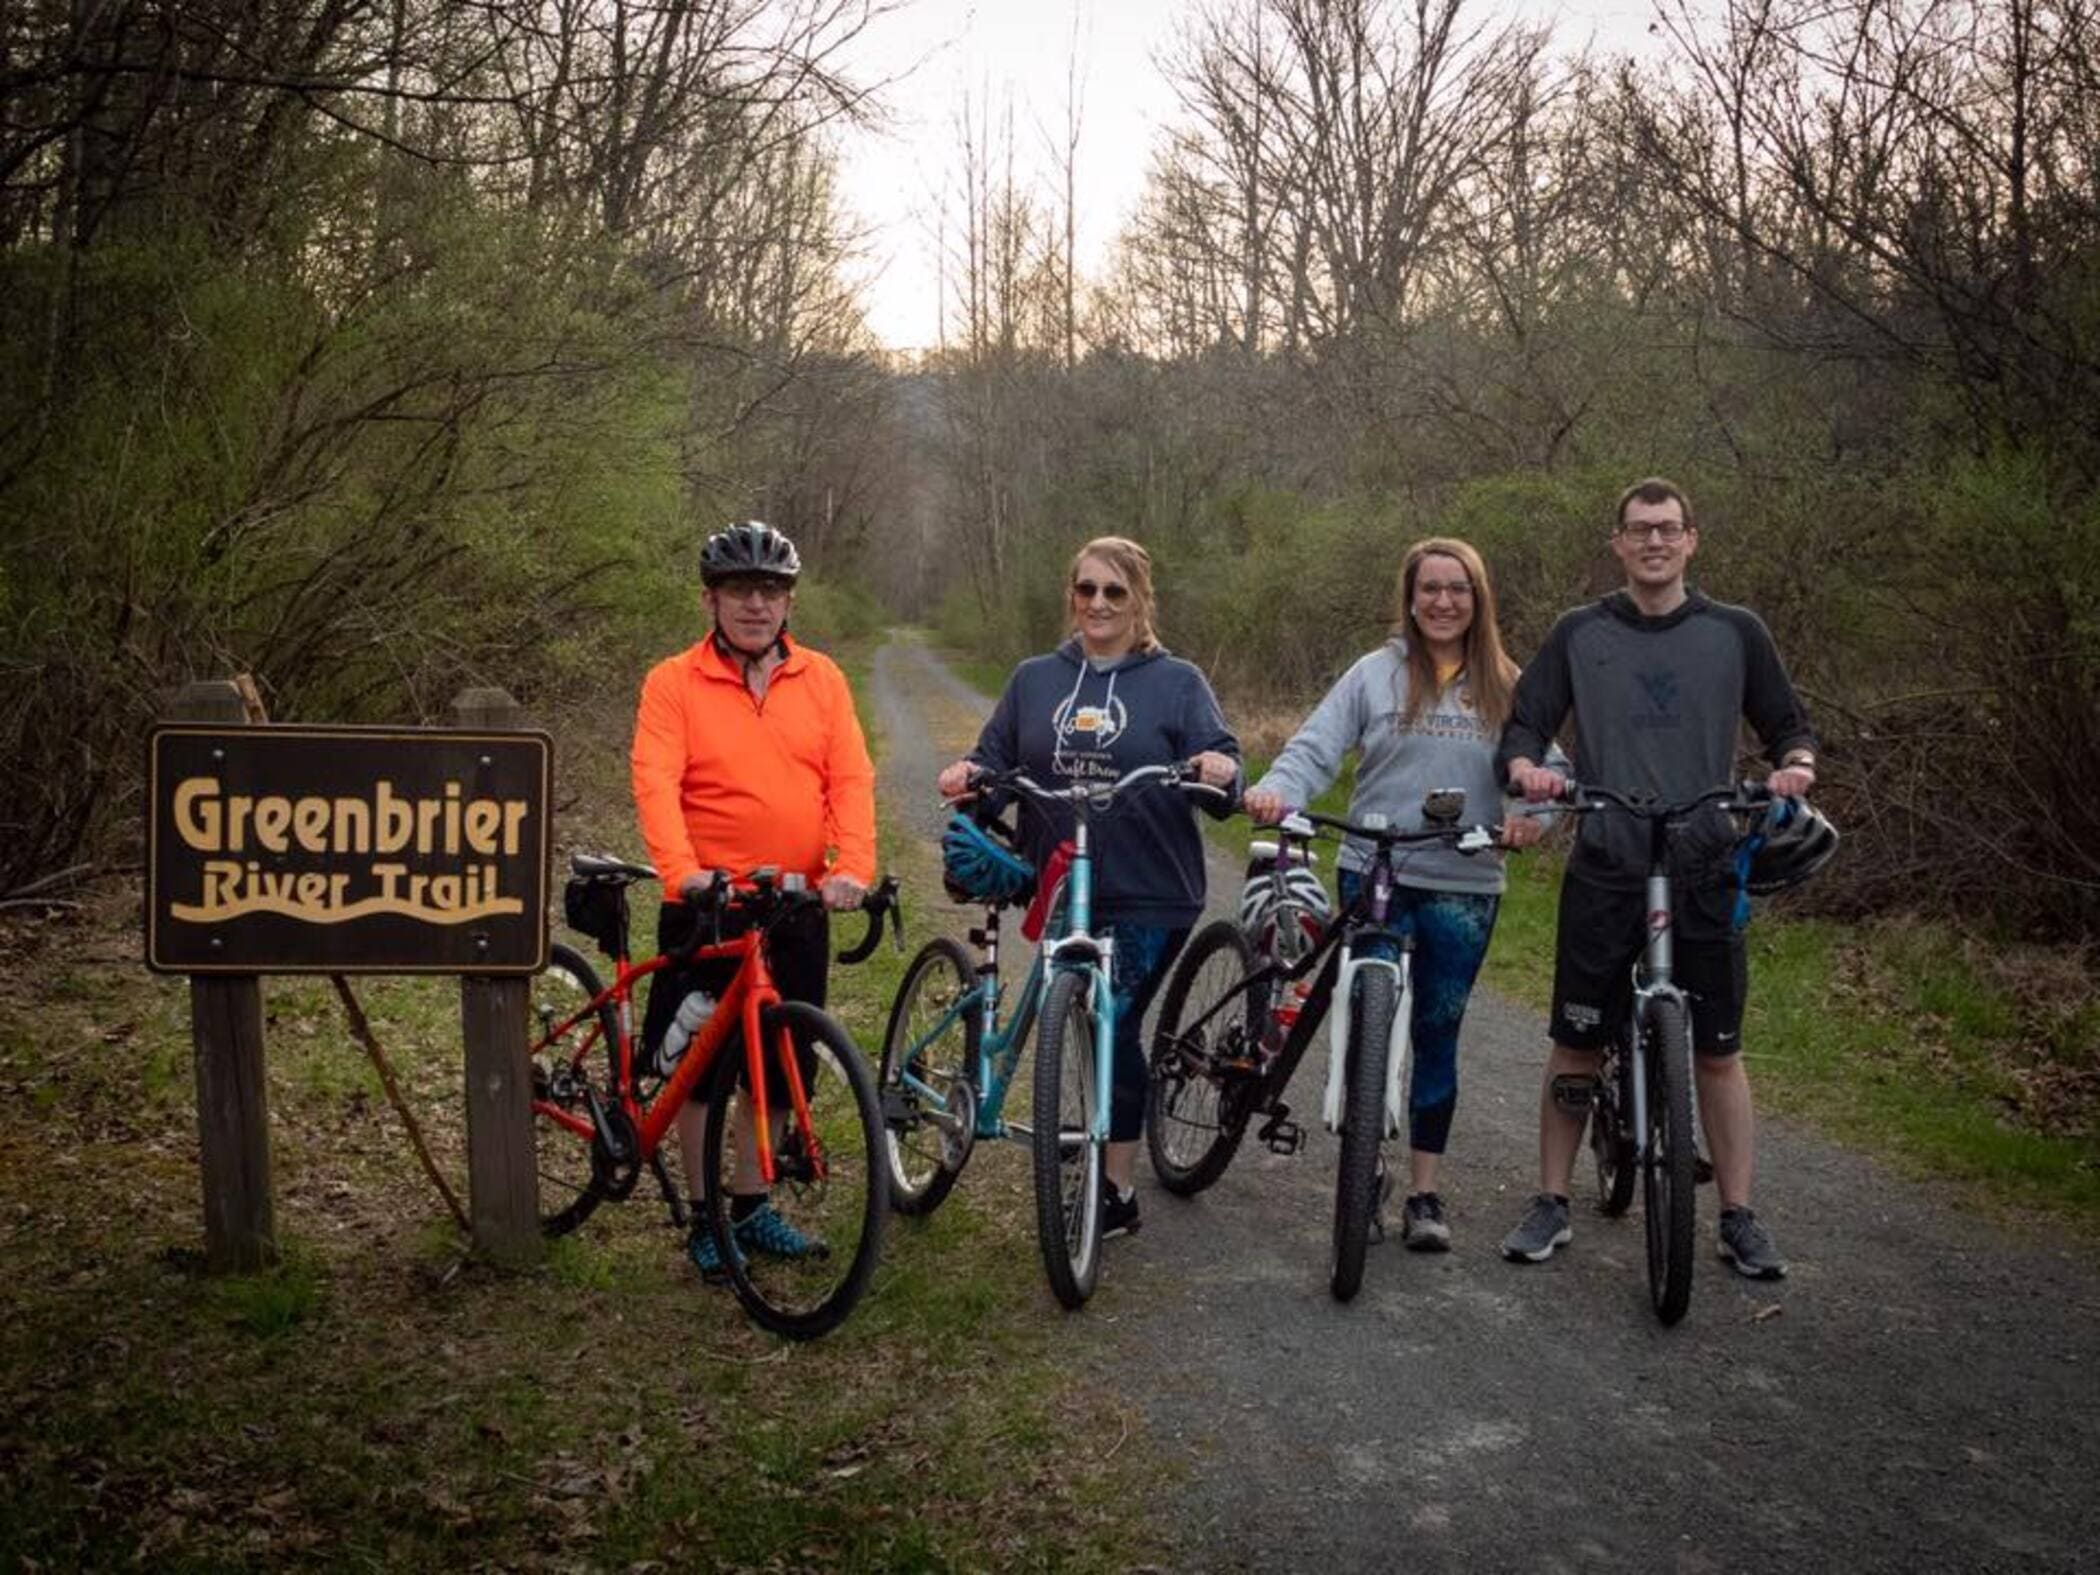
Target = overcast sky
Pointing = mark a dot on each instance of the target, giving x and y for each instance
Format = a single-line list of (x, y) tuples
[(947, 50)]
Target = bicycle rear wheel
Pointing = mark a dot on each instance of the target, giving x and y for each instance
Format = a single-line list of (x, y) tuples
[(801, 1263), (1205, 1061), (1357, 1187), (1667, 1176), (1067, 1157), (929, 1056), (574, 1073), (1611, 1138)]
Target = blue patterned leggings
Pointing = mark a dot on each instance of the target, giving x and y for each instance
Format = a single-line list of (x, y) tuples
[(1451, 931)]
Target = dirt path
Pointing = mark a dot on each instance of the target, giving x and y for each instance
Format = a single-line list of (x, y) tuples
[(1923, 1392)]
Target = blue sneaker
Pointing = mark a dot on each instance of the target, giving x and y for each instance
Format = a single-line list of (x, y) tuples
[(700, 1247), (763, 1230)]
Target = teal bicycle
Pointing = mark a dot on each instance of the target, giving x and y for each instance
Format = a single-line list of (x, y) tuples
[(949, 1061)]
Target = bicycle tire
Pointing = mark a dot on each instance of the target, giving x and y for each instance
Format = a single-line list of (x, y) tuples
[(924, 1160), (574, 1172), (1668, 1175), (1067, 1159), (1612, 1146), (1363, 1128), (1193, 1119), (839, 1208)]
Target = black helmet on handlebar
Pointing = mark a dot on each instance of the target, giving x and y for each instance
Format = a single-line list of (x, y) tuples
[(1790, 844), (748, 547)]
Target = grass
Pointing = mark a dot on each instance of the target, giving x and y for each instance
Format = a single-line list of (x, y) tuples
[(379, 1399)]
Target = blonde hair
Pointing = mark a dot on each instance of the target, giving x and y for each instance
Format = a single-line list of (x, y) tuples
[(1134, 564), (1492, 674)]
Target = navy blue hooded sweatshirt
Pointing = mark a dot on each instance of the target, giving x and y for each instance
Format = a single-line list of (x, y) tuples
[(1062, 721)]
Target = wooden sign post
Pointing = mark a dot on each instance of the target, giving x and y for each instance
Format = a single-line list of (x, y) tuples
[(502, 1179), (233, 1113)]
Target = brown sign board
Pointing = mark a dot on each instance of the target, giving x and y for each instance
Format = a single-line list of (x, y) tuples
[(346, 850)]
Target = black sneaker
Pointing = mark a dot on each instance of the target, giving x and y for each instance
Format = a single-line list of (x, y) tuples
[(1422, 1224), (1748, 1245), (1119, 1211)]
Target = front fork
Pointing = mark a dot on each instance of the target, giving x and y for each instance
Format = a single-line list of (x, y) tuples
[(1341, 1018)]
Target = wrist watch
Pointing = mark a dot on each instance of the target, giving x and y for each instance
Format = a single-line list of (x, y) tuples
[(1799, 760)]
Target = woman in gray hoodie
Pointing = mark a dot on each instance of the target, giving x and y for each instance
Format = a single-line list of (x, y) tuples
[(1425, 710)]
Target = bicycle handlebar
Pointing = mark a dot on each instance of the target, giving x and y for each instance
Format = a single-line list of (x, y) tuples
[(1097, 795), (769, 898), (1466, 839), (1585, 798)]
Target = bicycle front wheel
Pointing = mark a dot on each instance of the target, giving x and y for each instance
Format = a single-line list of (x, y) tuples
[(1205, 1061), (929, 1056), (1667, 1177), (1067, 1157), (800, 1262), (1611, 1141), (1356, 1191), (572, 1072)]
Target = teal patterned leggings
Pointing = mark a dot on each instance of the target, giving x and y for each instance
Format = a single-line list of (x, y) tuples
[(1451, 931)]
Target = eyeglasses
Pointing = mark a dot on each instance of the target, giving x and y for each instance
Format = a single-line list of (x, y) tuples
[(1087, 590), (1660, 530), (1457, 590), (745, 590)]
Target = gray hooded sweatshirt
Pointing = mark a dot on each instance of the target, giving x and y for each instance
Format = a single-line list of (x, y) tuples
[(1446, 746)]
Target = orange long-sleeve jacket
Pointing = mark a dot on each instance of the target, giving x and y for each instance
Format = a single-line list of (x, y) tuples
[(724, 780)]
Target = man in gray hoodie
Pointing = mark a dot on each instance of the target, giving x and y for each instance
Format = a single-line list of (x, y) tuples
[(1658, 680)]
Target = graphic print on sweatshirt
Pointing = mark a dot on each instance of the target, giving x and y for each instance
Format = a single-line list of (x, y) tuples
[(1086, 732), (1659, 685)]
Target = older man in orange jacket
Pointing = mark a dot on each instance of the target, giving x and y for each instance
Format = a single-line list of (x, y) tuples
[(748, 752)]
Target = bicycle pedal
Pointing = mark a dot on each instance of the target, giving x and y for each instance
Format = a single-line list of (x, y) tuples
[(1702, 1170), (1282, 1136)]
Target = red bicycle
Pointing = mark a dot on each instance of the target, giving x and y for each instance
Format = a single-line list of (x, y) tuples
[(602, 1114)]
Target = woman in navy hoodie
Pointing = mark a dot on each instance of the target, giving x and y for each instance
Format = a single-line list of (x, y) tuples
[(1106, 701)]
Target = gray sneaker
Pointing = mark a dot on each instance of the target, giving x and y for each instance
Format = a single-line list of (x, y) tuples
[(1422, 1224), (1543, 1227), (1748, 1245)]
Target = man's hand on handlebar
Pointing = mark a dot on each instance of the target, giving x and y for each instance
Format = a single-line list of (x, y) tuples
[(700, 886), (841, 892), (955, 781), (1213, 769), (1539, 784)]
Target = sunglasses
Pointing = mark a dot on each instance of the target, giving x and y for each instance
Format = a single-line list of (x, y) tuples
[(1087, 590)]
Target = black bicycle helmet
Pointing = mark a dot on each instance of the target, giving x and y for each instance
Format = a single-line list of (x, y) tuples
[(748, 547), (976, 866), (1790, 844)]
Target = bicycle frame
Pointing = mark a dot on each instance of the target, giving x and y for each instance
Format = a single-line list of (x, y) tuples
[(998, 1047), (750, 993)]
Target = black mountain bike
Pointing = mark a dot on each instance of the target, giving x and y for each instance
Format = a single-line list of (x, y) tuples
[(1642, 1129), (1235, 1021)]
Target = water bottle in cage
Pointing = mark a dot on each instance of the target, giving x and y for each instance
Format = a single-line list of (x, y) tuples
[(693, 1013)]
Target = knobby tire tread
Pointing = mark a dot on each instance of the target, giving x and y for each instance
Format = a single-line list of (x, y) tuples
[(1363, 1126), (1186, 1180), (1670, 1202)]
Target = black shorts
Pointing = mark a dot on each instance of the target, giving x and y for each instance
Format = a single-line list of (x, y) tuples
[(1601, 935), (799, 953)]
